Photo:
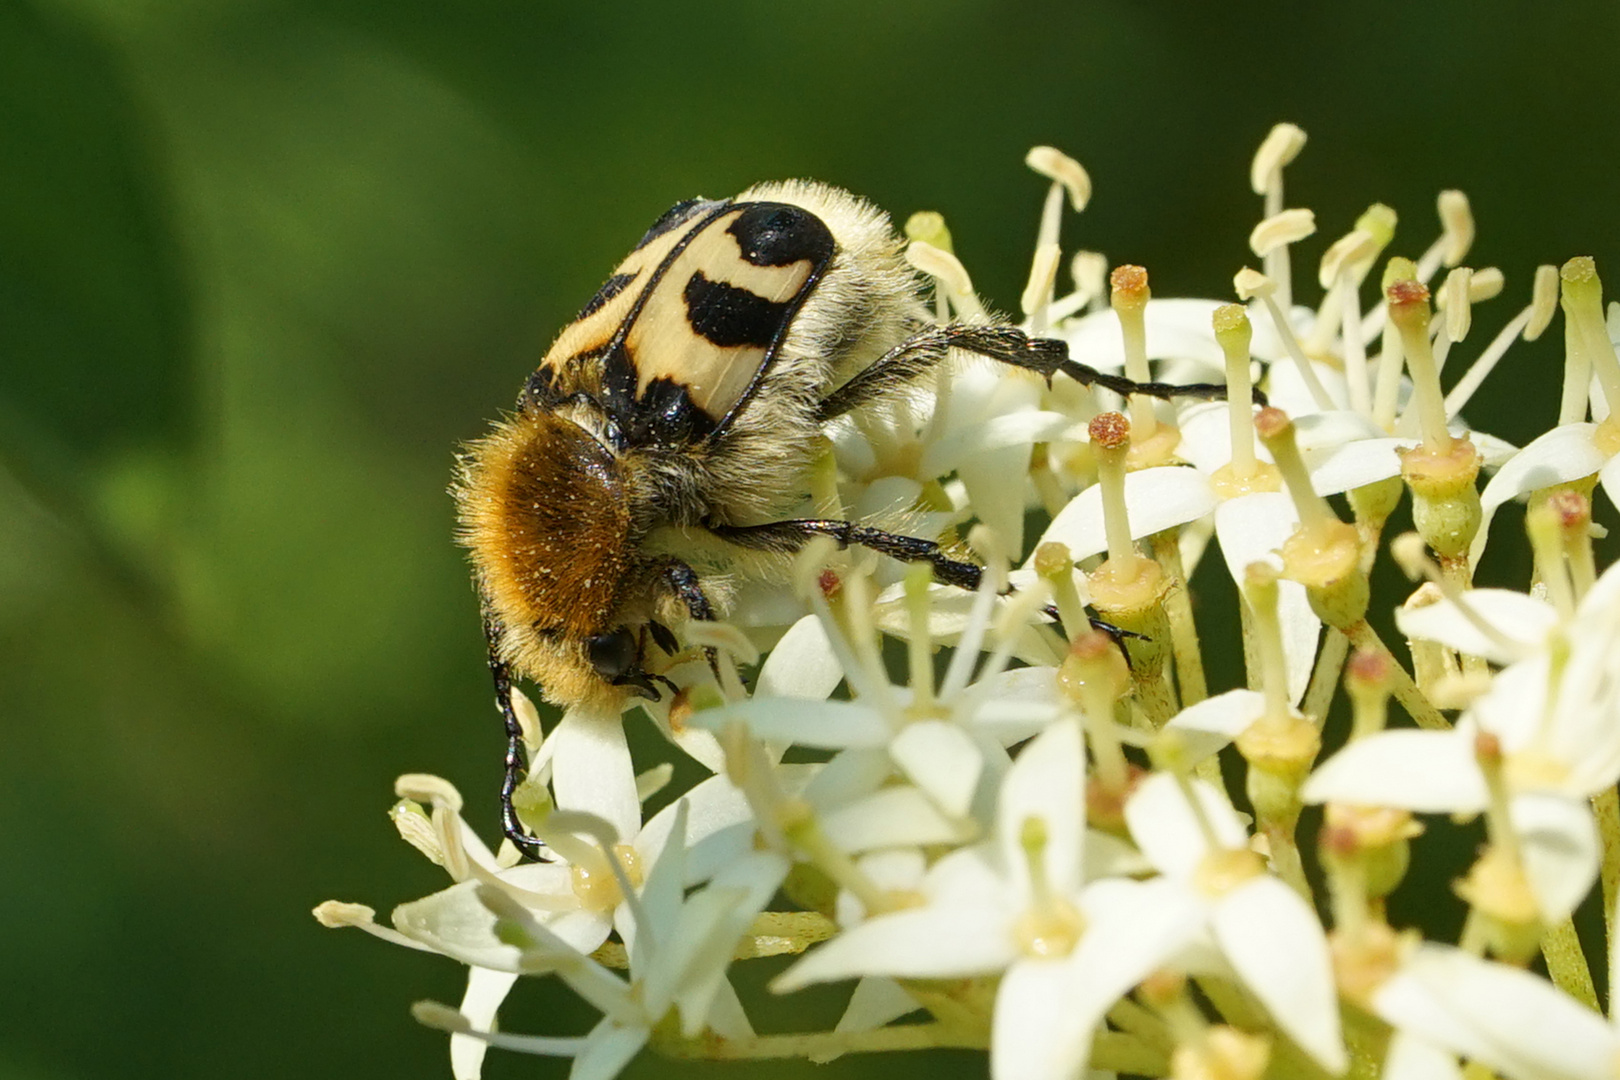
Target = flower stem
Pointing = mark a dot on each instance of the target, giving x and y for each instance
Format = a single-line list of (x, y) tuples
[(1566, 963), (1189, 655)]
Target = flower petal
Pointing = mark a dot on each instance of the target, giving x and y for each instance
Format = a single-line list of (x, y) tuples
[(1046, 785), (1432, 771), (801, 665), (1213, 723), (607, 1050), (824, 725), (486, 990), (1159, 498), (1276, 945), (941, 759), (1524, 620), (1163, 824), (1567, 452), (1561, 850), (1251, 529), (1038, 1033), (591, 770), (897, 816), (875, 1002), (1412, 1058), (941, 941), (1504, 1017)]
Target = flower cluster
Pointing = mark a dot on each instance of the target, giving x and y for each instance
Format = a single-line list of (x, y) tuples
[(1051, 841)]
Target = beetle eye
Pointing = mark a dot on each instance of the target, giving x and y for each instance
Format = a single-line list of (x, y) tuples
[(612, 654)]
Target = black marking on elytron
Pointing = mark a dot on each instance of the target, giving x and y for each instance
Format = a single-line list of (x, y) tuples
[(666, 413), (619, 378), (681, 212), (778, 234), (806, 234), (729, 316), (612, 287)]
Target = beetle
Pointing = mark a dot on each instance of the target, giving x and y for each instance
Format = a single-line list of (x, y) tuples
[(688, 395)]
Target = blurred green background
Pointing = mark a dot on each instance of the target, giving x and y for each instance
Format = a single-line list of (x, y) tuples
[(262, 264)]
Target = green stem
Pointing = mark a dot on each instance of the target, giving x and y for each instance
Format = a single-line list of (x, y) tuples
[(1325, 676), (1189, 654), (1566, 963), (1607, 806)]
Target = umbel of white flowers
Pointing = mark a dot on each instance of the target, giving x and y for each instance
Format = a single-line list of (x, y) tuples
[(1031, 848)]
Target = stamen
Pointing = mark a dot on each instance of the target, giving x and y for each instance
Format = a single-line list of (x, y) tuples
[(441, 1017), (1053, 563), (1280, 230), (960, 671), (919, 641), (928, 226), (1456, 236), (1062, 169), (1344, 267), (1278, 150), (1129, 298), (1251, 284), (1281, 145), (1037, 298), (342, 915), (948, 270), (1481, 368), (1543, 301)]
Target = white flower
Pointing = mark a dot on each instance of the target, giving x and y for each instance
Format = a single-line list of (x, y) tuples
[(1555, 714), (1443, 1001), (679, 947), (1269, 936), (1019, 906)]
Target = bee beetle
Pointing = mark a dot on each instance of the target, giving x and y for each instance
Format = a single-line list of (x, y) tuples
[(688, 396)]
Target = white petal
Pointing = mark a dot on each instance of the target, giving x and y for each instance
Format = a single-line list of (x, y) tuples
[(1561, 850), (697, 950), (1506, 1018), (1176, 327), (1037, 1032), (850, 775), (1047, 1010), (1609, 477), (726, 1016), (1251, 529), (1524, 620), (826, 725), (711, 806), (1567, 452), (456, 923), (1213, 723), (591, 770), (1355, 465), (1431, 771), (1046, 784), (1158, 499), (898, 816), (486, 990), (608, 1049), (944, 941), (1165, 828), (1411, 1058), (940, 758), (875, 1002), (1277, 947), (801, 665), (997, 503)]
